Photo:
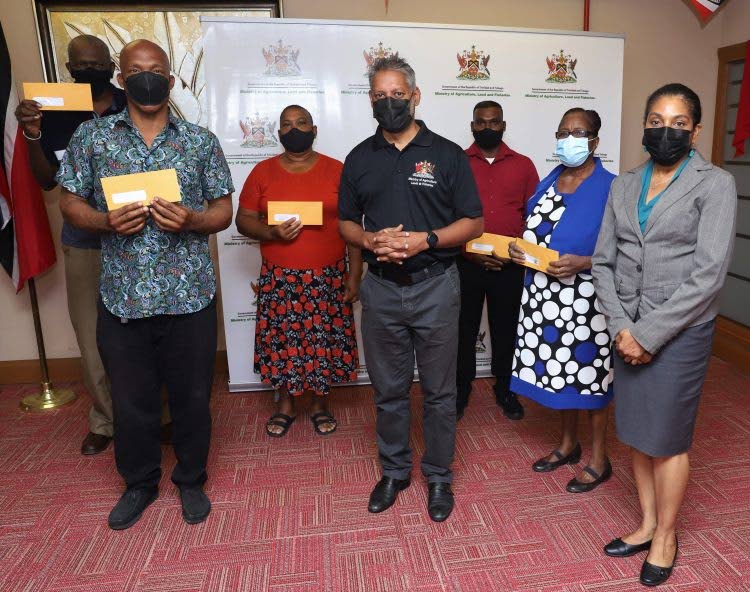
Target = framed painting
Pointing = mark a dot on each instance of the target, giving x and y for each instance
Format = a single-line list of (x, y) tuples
[(174, 25)]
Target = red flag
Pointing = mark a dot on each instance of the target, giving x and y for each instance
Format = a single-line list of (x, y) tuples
[(706, 8), (26, 247), (742, 127)]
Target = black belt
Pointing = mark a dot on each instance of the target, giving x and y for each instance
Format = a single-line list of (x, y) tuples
[(407, 278)]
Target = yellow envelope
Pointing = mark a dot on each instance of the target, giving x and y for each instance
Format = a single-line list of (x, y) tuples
[(536, 257), (124, 189), (310, 213), (60, 96), (487, 244)]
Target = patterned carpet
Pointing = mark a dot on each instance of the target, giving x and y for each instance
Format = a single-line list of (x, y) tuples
[(290, 515)]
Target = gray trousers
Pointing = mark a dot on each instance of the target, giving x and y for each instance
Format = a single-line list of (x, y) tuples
[(397, 323)]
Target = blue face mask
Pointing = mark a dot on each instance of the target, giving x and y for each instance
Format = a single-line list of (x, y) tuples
[(572, 151)]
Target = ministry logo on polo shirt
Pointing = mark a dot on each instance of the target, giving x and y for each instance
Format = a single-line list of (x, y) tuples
[(422, 175)]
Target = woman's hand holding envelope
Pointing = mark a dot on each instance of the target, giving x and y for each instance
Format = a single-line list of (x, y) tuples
[(517, 254), (287, 230), (568, 265)]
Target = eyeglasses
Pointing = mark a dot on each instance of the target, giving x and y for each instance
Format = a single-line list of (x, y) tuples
[(576, 133)]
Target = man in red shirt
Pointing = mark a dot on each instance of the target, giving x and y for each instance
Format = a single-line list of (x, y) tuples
[(505, 180)]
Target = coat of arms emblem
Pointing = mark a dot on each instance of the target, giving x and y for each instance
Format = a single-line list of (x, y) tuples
[(562, 68), (473, 64), (480, 347), (281, 60), (424, 169), (376, 53), (258, 132)]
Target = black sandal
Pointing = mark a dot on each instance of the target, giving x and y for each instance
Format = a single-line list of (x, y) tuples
[(281, 420), (322, 417)]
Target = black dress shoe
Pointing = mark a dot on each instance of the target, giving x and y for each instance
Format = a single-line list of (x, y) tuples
[(128, 510), (576, 486), (195, 504), (619, 548), (511, 406), (385, 493), (94, 443), (439, 501), (545, 466), (653, 575)]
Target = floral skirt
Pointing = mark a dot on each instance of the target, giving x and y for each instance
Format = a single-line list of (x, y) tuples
[(304, 334)]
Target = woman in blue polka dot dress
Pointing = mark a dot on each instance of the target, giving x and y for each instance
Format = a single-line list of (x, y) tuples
[(563, 351)]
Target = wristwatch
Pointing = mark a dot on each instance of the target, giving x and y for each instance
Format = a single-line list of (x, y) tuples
[(432, 240)]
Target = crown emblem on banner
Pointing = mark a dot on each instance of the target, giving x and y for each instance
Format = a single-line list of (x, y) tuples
[(281, 60), (562, 68), (473, 64), (424, 168), (378, 52), (258, 132)]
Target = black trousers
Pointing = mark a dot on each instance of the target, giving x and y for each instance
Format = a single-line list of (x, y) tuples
[(502, 290), (141, 355)]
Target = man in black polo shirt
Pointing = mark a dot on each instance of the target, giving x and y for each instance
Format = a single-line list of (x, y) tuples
[(409, 200), (47, 135)]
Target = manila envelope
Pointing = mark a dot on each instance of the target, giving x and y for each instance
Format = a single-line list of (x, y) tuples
[(487, 244), (59, 96), (536, 257), (310, 213), (124, 189)]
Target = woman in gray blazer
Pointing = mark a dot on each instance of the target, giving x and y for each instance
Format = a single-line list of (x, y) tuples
[(660, 261)]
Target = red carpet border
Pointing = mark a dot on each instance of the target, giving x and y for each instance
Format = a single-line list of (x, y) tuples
[(289, 515)]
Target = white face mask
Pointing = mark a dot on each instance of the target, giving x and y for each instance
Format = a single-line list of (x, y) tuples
[(573, 151)]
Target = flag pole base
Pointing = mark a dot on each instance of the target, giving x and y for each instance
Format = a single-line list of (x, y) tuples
[(48, 398)]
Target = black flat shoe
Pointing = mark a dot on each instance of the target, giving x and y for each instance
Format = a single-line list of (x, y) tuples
[(385, 493), (195, 504), (653, 575), (619, 548), (439, 501), (130, 507), (511, 406), (545, 466), (576, 486)]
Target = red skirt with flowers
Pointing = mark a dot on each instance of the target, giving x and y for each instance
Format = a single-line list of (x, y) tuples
[(304, 334)]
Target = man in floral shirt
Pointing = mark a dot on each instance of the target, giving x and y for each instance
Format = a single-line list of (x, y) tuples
[(157, 313)]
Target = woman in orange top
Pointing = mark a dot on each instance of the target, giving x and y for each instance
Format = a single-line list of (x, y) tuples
[(304, 333)]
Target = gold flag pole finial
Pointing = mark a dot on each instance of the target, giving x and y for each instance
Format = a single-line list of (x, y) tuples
[(48, 398)]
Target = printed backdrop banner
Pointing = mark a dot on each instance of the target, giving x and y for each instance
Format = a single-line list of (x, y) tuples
[(255, 67)]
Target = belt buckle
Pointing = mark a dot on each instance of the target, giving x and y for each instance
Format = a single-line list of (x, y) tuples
[(404, 279)]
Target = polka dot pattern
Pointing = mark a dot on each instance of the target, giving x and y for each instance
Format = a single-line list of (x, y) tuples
[(563, 344)]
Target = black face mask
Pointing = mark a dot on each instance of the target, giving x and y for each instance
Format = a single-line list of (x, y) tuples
[(666, 145), (487, 139), (297, 141), (147, 88), (98, 79), (393, 115)]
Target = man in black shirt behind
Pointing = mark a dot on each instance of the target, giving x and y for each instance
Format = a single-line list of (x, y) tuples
[(409, 200), (47, 135)]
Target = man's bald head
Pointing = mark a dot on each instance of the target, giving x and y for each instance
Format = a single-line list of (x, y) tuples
[(144, 52), (88, 51), (145, 76)]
